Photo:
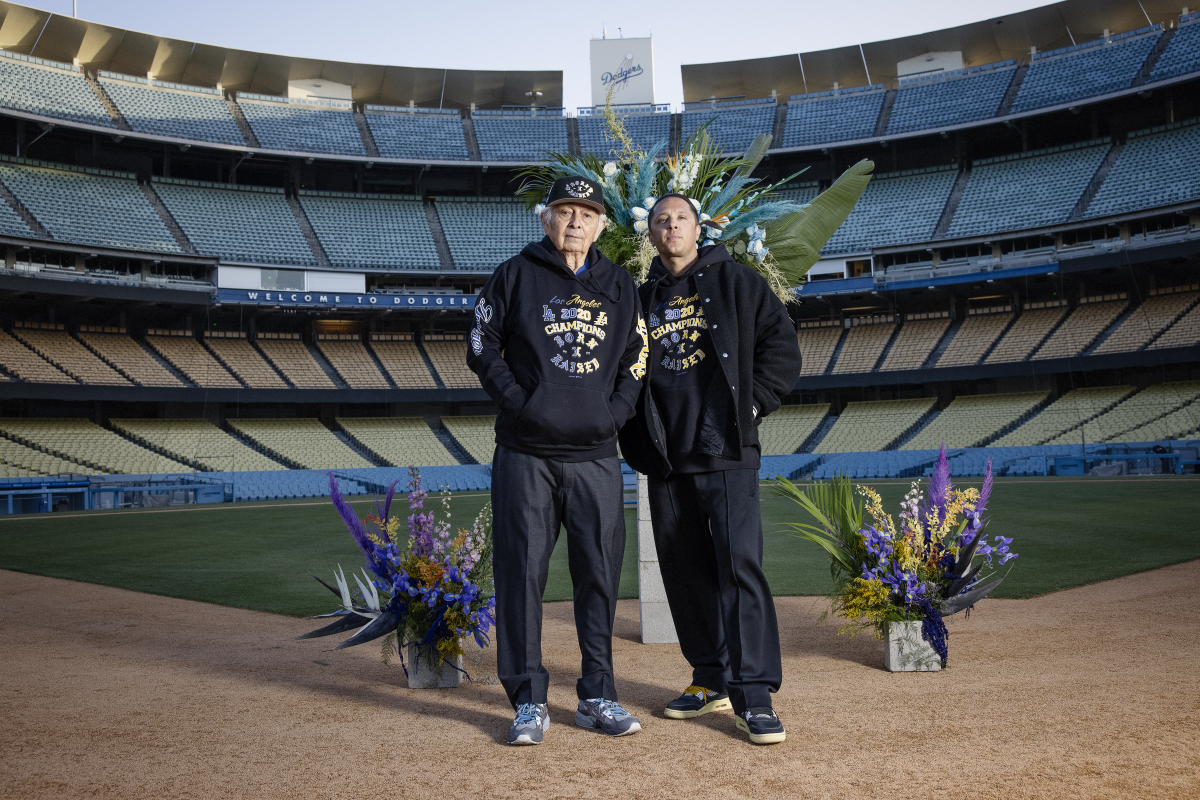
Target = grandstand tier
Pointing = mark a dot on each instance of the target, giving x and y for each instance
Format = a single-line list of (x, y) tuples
[(864, 426), (303, 443), (974, 420), (191, 358), (87, 444), (364, 232), (399, 441)]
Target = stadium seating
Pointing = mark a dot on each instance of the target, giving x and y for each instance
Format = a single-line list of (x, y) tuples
[(1080, 329), (1155, 168), (476, 434), (438, 137), (1066, 414), (196, 440), (106, 210), (1147, 321), (403, 363), (519, 139), (1026, 334), (234, 224), (914, 343), (1182, 54), (1133, 419), (483, 234), (646, 130), (799, 192), (816, 119), (27, 365), (188, 356), (1087, 70), (864, 345), (449, 358), (1184, 333), (940, 101), (292, 358), (21, 461), (786, 428), (400, 441), (817, 346), (302, 129), (11, 223), (199, 115), (302, 441), (240, 357), (734, 129), (362, 231), (353, 363), (49, 89), (130, 358), (1027, 190), (70, 356), (873, 425), (288, 484), (88, 444), (896, 207), (973, 420)]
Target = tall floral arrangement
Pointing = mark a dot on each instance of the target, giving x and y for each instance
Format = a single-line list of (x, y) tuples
[(930, 562), (434, 589), (779, 238)]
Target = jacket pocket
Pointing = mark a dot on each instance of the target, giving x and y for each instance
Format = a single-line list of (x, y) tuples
[(562, 415)]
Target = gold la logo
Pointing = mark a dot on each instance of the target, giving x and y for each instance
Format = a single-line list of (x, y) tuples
[(579, 189)]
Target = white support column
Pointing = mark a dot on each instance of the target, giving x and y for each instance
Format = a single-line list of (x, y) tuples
[(657, 625)]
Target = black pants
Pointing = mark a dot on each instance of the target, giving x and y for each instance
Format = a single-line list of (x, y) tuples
[(531, 498), (708, 531)]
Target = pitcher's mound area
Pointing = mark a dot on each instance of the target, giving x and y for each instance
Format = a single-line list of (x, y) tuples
[(1090, 692)]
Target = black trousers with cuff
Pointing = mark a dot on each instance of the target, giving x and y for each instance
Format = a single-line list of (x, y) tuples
[(708, 531), (532, 498)]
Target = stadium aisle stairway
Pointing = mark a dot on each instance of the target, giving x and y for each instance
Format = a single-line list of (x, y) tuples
[(291, 357), (977, 333), (51, 89), (477, 434), (449, 358), (353, 363), (189, 357), (196, 440), (1025, 334), (403, 362), (1066, 414), (20, 461), (864, 345), (973, 420), (130, 357), (399, 441), (1086, 70), (246, 363), (88, 444), (873, 425), (302, 441), (1157, 167), (914, 343), (1184, 333), (1080, 329), (1138, 418), (1183, 52)]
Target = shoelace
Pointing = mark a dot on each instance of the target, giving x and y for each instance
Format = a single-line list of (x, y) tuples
[(527, 713), (611, 708)]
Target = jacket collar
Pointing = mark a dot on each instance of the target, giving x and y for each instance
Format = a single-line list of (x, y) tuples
[(713, 254)]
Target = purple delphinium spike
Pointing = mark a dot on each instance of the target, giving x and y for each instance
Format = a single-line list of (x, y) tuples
[(938, 495), (986, 491), (355, 527), (382, 510)]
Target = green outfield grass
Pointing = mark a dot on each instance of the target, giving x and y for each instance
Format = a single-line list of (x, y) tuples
[(260, 556)]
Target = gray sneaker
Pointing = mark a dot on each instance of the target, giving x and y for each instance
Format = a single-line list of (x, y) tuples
[(607, 715), (531, 720)]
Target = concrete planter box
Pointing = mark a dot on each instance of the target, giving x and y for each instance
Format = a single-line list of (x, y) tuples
[(906, 651), (425, 673)]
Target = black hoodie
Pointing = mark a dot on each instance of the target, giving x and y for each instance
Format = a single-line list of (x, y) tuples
[(562, 354)]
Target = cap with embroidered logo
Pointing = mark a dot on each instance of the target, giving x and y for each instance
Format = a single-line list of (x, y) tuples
[(574, 189)]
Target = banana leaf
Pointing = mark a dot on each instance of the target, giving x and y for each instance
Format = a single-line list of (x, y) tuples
[(758, 149), (796, 239)]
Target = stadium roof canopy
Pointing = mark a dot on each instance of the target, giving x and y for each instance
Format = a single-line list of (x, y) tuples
[(56, 37), (986, 42)]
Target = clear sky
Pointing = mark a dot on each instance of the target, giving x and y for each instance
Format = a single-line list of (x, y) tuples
[(535, 34)]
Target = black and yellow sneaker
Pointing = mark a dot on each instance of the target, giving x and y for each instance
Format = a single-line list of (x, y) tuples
[(762, 724), (697, 701)]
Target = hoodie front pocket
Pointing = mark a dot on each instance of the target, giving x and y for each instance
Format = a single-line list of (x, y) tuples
[(558, 414)]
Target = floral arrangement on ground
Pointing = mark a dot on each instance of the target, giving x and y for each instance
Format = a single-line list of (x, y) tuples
[(779, 238), (932, 563), (431, 591)]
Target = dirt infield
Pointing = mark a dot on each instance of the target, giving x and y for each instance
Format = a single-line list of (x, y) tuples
[(1089, 692)]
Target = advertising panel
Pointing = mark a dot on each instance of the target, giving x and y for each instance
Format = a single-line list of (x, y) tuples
[(628, 65)]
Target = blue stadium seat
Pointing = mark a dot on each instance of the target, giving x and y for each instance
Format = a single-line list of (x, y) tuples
[(939, 101), (733, 128), (199, 114), (823, 117), (646, 130), (371, 231), (1182, 54), (519, 138), (1156, 168), (405, 134), (900, 207), (1087, 70), (50, 89), (485, 233), (1026, 190), (302, 129)]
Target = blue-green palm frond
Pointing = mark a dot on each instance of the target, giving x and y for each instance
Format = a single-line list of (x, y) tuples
[(728, 194), (763, 213), (646, 175)]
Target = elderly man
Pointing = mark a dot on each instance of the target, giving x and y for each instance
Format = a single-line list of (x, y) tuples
[(560, 345), (723, 355)]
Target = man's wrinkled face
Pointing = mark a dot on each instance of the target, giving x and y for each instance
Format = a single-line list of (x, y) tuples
[(572, 227), (674, 230)]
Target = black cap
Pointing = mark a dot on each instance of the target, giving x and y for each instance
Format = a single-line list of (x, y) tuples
[(574, 189)]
